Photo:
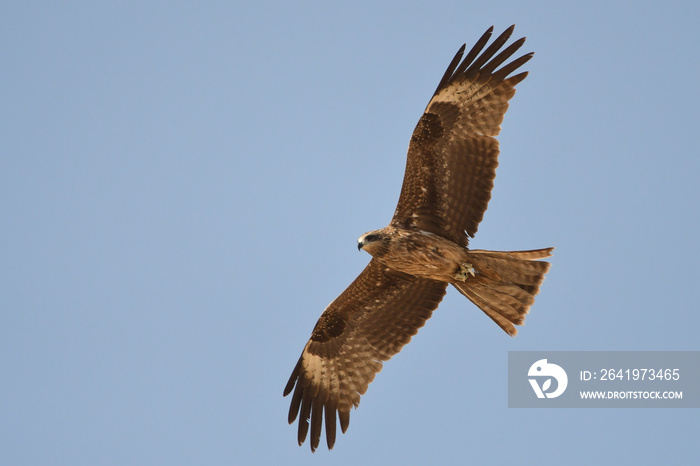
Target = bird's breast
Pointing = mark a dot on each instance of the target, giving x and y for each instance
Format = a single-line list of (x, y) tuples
[(423, 254)]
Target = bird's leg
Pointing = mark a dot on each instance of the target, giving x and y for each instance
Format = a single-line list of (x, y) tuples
[(465, 270)]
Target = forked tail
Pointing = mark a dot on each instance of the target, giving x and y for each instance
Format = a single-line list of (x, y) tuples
[(505, 284)]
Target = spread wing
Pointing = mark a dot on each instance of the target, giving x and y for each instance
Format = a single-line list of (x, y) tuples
[(367, 324), (453, 155)]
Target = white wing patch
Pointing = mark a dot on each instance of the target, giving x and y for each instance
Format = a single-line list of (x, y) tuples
[(468, 90)]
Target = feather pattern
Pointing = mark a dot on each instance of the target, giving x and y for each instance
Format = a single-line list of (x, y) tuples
[(367, 324), (453, 155)]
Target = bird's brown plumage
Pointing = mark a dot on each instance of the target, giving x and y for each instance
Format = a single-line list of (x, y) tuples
[(452, 157), (351, 339), (450, 168)]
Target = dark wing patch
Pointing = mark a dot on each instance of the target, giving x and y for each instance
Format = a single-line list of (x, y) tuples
[(453, 155), (367, 324)]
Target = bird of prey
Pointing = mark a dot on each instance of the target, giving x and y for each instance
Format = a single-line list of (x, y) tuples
[(452, 160)]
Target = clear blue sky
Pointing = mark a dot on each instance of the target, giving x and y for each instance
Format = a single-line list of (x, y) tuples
[(182, 187)]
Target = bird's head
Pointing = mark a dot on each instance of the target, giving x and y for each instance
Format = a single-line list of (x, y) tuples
[(374, 242)]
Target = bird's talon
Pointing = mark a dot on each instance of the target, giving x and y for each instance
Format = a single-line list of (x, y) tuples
[(464, 271)]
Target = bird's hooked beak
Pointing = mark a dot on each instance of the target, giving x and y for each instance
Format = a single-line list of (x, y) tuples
[(360, 243)]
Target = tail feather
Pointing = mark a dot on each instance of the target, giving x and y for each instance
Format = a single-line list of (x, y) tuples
[(505, 284)]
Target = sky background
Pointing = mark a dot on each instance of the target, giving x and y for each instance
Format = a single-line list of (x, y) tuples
[(182, 186)]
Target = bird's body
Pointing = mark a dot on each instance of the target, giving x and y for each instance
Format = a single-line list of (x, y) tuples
[(432, 256), (450, 168)]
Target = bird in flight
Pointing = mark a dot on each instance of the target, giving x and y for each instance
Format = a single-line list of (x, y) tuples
[(451, 165)]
